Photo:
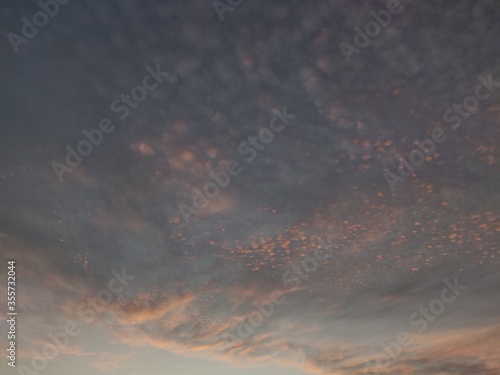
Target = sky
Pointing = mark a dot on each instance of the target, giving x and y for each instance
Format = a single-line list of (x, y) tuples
[(250, 187)]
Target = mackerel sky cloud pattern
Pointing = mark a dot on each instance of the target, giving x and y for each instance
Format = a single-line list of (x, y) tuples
[(321, 181)]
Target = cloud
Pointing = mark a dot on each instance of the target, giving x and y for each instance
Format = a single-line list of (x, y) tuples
[(108, 361), (321, 177)]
